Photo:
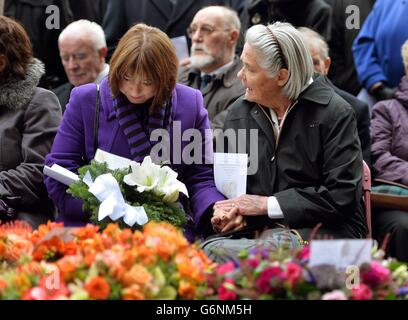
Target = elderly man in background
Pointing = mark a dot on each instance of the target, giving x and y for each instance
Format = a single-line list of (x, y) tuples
[(83, 50), (214, 33), (319, 50)]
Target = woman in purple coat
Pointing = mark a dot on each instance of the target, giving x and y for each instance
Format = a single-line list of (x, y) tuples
[(389, 149), (139, 96)]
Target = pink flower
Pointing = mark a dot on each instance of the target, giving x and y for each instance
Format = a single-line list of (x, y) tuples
[(253, 263), (44, 291), (225, 268), (362, 292), (225, 293), (334, 295), (264, 280), (304, 253), (35, 293), (293, 273), (376, 275)]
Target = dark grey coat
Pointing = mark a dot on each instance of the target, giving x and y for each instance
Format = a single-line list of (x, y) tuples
[(315, 168), (30, 117)]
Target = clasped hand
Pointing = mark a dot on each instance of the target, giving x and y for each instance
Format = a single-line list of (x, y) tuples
[(229, 215)]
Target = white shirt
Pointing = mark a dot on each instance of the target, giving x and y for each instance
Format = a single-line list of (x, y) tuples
[(274, 209), (103, 74)]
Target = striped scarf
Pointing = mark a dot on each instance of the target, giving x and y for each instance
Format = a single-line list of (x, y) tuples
[(130, 117)]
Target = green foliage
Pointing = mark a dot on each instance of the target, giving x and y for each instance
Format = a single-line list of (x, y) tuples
[(154, 206)]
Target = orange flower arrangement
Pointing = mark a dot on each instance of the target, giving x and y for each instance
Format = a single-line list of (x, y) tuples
[(156, 263)]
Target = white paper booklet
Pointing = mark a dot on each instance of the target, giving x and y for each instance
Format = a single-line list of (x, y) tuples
[(230, 173), (67, 177), (340, 253), (181, 46), (114, 162), (60, 174)]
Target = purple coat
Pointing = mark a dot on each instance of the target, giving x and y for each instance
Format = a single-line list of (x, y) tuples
[(389, 132), (73, 146)]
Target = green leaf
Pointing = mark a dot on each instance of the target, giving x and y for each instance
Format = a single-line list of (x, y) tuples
[(167, 293)]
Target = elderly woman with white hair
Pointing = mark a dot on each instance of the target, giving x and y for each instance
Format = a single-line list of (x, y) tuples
[(308, 152)]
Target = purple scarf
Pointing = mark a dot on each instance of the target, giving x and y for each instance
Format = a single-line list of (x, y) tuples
[(130, 117)]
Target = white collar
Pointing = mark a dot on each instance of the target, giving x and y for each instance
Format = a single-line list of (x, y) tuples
[(103, 74)]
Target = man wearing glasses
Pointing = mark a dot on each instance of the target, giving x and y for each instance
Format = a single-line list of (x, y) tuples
[(83, 50), (214, 34)]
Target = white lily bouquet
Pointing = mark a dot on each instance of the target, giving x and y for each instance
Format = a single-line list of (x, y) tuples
[(128, 192)]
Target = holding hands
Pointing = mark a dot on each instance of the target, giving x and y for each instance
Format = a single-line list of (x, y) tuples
[(229, 215)]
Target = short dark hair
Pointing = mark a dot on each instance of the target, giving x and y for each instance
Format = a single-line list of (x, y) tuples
[(149, 52), (15, 46)]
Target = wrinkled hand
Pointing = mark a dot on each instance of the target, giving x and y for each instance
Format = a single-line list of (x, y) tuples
[(224, 220), (246, 205)]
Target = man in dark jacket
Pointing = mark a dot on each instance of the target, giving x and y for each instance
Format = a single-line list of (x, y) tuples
[(92, 10), (308, 152), (315, 14), (321, 61), (171, 16), (343, 71)]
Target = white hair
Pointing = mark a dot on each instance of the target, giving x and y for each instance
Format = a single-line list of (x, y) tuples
[(404, 53), (231, 18), (315, 40), (85, 27), (279, 46)]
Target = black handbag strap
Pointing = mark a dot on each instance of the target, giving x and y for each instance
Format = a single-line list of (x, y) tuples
[(96, 121)]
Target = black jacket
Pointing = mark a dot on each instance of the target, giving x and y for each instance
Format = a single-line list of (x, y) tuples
[(122, 14), (315, 168), (342, 71), (63, 93), (92, 10), (363, 120)]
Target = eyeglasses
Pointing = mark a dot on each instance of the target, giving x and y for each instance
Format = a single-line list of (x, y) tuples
[(204, 30)]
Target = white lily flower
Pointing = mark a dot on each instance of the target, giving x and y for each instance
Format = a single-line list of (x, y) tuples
[(144, 175), (162, 181)]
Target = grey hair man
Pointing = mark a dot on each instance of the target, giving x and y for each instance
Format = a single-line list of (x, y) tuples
[(308, 151), (319, 50), (83, 50), (214, 33)]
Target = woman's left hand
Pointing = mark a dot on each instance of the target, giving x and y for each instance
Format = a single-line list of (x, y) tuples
[(247, 205)]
